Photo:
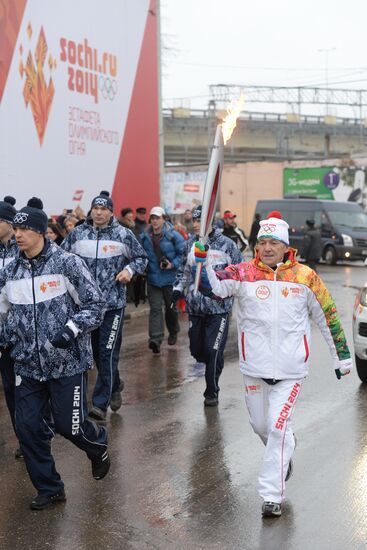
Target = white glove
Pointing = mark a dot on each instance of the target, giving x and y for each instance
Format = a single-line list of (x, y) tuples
[(345, 367)]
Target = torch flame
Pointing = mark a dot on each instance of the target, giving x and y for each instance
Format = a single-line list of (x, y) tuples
[(230, 120)]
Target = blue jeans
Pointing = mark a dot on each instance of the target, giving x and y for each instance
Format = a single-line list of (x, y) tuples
[(106, 344)]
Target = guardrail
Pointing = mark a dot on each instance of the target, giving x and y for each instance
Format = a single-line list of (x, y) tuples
[(287, 118)]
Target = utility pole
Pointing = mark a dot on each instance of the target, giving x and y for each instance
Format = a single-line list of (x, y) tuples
[(326, 51)]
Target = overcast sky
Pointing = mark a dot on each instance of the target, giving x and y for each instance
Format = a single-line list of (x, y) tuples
[(263, 42)]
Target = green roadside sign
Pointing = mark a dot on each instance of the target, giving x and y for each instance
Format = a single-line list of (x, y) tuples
[(308, 182)]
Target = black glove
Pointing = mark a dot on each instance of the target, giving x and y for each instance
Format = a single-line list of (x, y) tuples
[(64, 338), (176, 295), (338, 374)]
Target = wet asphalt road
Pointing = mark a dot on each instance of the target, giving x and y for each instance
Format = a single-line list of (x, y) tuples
[(183, 476)]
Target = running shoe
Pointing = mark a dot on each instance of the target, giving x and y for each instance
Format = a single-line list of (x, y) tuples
[(271, 509), (172, 339), (101, 465), (43, 501), (19, 453), (156, 349), (211, 401), (97, 414)]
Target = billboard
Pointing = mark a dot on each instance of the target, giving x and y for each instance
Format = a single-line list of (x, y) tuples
[(308, 182), (79, 102), (326, 182), (183, 190)]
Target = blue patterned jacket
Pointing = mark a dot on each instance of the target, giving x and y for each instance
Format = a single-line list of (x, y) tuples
[(38, 298), (8, 252), (222, 252), (106, 252)]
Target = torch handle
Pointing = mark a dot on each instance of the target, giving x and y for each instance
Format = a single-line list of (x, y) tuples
[(199, 267), (210, 196)]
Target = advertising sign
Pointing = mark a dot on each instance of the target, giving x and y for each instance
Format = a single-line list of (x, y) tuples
[(79, 102), (327, 182), (309, 182), (183, 190)]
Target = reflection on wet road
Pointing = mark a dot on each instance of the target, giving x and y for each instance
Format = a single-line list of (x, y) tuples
[(186, 477)]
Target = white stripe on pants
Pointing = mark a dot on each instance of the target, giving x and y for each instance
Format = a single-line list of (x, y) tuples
[(271, 408)]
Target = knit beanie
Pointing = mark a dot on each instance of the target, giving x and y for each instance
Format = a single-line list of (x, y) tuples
[(103, 199), (196, 212), (7, 210), (274, 214), (274, 228), (32, 217)]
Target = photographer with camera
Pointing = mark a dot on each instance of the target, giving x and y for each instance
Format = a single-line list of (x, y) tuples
[(164, 247)]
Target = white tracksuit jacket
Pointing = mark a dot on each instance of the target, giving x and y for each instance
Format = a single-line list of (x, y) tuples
[(274, 333)]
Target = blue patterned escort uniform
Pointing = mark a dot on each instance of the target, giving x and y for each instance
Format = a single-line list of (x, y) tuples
[(8, 252), (106, 252), (37, 299), (222, 252)]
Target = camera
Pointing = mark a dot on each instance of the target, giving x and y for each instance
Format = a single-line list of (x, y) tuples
[(164, 263)]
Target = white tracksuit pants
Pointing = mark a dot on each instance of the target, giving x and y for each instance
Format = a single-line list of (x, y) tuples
[(271, 408)]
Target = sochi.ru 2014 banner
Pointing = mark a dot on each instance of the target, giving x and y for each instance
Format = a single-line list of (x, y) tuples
[(72, 77)]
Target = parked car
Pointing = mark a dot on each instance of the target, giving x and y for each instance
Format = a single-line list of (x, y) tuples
[(360, 332), (343, 225)]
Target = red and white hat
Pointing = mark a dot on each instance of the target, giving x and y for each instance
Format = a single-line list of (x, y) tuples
[(274, 228)]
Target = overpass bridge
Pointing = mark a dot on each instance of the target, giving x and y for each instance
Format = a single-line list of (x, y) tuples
[(189, 134)]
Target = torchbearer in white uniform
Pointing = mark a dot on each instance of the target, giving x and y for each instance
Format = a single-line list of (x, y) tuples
[(276, 297)]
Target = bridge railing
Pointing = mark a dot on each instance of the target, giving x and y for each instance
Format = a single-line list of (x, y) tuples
[(287, 118)]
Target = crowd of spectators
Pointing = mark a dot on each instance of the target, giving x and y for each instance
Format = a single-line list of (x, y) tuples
[(139, 222)]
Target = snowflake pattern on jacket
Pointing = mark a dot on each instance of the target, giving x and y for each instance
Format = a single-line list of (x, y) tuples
[(8, 252), (222, 252), (38, 298), (106, 252)]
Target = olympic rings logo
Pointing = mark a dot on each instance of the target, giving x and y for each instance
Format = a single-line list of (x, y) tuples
[(21, 217), (108, 87), (270, 228), (100, 202)]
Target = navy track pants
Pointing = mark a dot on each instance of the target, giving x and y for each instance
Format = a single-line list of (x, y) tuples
[(8, 379), (208, 336), (106, 344), (67, 399)]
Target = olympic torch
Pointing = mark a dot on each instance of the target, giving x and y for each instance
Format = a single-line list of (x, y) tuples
[(213, 177), (211, 194)]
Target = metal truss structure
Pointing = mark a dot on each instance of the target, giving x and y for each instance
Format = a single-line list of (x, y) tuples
[(288, 132), (299, 95)]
